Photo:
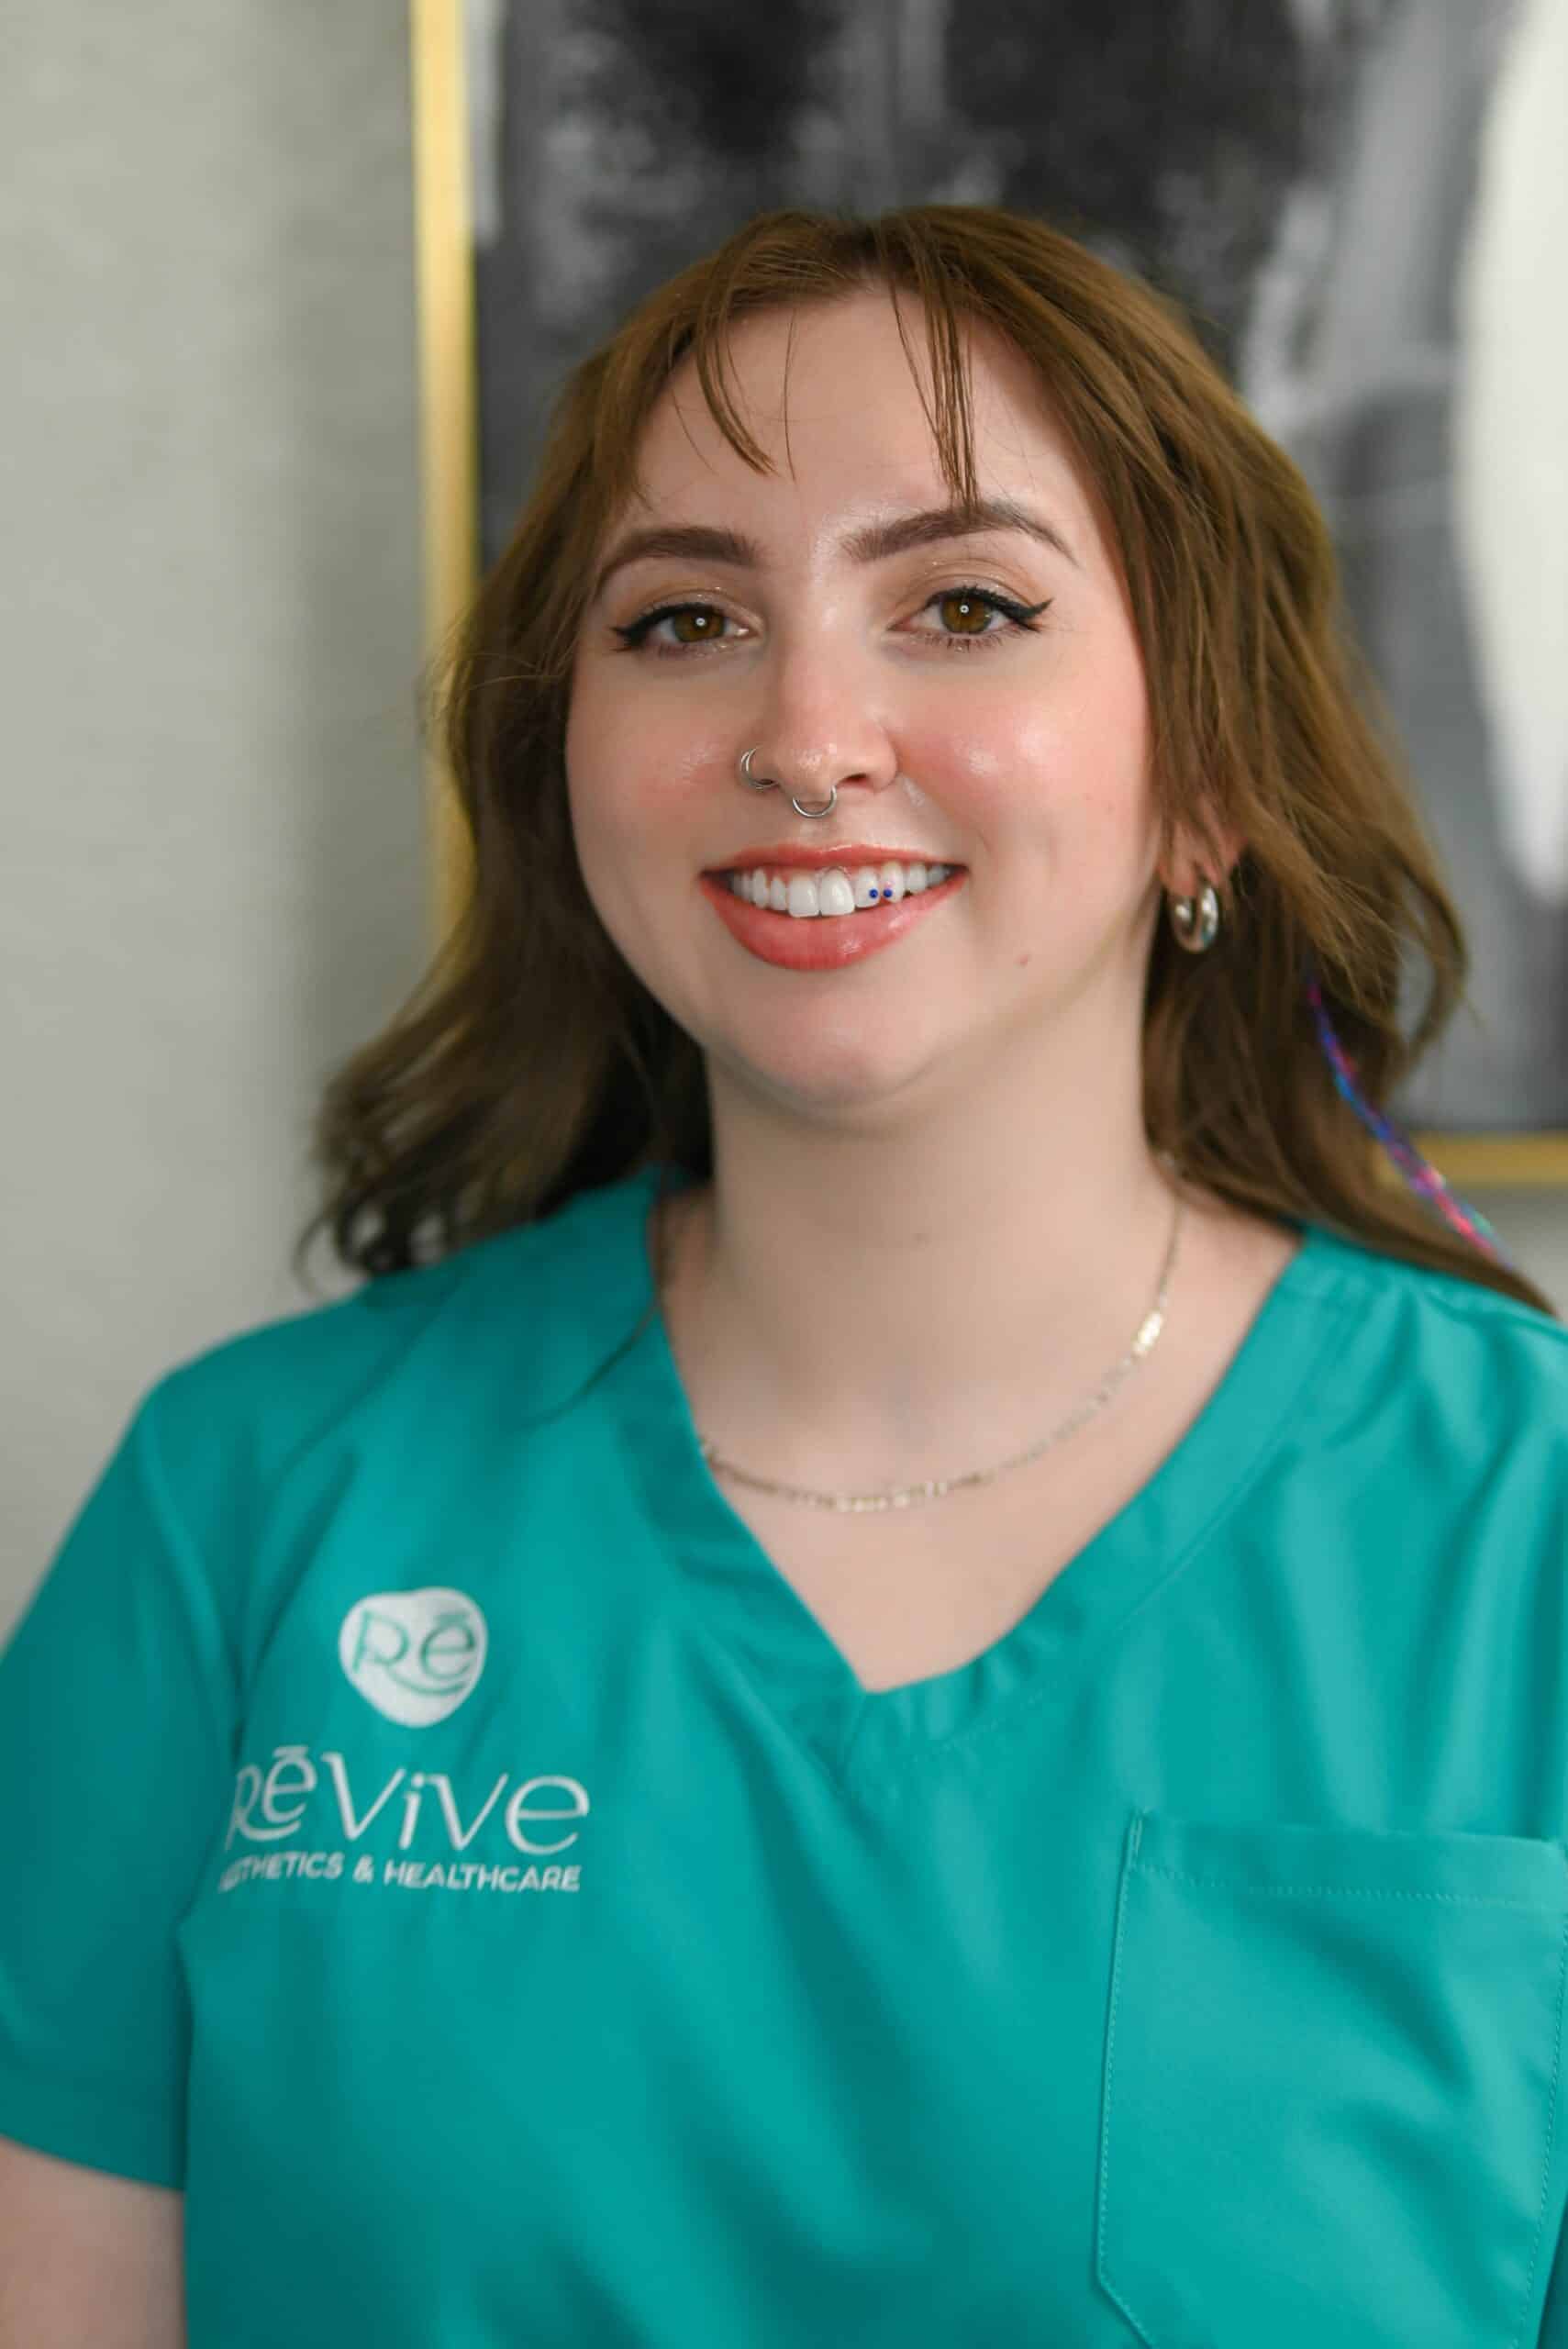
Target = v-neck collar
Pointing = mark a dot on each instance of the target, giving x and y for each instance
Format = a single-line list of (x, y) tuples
[(789, 1661)]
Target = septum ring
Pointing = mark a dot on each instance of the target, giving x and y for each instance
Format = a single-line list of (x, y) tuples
[(762, 783)]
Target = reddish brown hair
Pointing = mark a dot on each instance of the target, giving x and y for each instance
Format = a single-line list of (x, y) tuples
[(530, 1064)]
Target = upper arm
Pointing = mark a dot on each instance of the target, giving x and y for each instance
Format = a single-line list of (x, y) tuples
[(114, 1744), (87, 2257)]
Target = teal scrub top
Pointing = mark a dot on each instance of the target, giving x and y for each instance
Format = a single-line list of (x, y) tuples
[(436, 1837)]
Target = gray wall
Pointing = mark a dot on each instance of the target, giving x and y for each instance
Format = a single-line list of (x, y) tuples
[(214, 883), (214, 877)]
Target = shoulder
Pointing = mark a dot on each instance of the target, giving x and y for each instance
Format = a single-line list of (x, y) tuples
[(1385, 1332), (526, 1313), (1473, 1366)]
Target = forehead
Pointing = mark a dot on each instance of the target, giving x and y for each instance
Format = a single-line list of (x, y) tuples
[(835, 402)]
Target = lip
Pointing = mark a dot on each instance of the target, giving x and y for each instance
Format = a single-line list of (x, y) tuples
[(746, 860), (825, 942)]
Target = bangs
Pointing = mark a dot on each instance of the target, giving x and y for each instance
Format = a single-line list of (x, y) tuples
[(762, 281)]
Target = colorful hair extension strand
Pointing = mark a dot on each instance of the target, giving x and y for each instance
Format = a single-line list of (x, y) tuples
[(1418, 1172)]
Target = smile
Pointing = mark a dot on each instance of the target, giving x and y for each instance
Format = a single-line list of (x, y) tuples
[(807, 941), (831, 889)]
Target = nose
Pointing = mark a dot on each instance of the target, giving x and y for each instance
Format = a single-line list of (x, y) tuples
[(817, 729)]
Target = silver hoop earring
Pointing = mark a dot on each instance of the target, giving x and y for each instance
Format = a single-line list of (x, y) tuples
[(1196, 926), (762, 783)]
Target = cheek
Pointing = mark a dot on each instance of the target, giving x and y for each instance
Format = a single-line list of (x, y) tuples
[(596, 820), (994, 765), (626, 824), (628, 782), (604, 793), (1073, 749)]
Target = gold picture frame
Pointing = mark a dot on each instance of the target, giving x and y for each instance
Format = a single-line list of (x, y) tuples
[(449, 443)]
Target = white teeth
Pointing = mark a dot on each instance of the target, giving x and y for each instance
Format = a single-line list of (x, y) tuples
[(834, 892)]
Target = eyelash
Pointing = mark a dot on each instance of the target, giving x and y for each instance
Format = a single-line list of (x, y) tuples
[(1020, 619)]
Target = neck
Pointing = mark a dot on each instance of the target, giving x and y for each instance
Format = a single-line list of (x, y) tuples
[(873, 1310)]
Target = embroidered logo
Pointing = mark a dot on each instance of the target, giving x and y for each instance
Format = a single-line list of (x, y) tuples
[(414, 1654)]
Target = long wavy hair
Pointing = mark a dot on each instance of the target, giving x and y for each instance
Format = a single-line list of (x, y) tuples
[(529, 1064)]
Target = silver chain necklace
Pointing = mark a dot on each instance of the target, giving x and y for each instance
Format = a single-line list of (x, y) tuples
[(911, 1496)]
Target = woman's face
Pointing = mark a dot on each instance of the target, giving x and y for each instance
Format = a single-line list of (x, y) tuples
[(951, 734)]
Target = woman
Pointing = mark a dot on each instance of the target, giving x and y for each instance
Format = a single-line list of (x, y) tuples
[(899, 1678)]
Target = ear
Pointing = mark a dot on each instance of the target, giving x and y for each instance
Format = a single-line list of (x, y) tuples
[(1195, 860)]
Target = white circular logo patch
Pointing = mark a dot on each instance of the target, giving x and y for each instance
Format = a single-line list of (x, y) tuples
[(413, 1653)]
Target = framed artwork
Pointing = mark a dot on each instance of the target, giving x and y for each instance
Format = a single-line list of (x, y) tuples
[(1360, 202)]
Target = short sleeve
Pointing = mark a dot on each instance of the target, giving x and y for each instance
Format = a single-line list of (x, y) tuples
[(117, 1712)]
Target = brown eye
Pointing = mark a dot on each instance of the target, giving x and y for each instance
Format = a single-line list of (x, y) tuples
[(964, 615), (708, 629), (705, 625)]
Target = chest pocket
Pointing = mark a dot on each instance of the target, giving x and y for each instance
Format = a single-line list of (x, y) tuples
[(1330, 2083)]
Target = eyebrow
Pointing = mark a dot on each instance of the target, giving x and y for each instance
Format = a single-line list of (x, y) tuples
[(873, 543)]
